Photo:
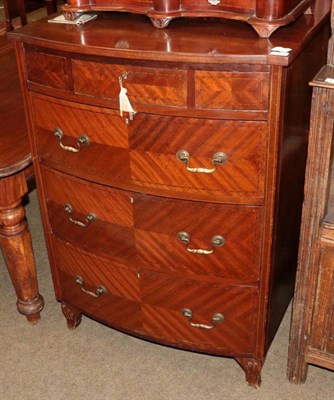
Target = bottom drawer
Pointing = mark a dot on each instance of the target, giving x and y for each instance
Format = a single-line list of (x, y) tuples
[(118, 305), (210, 317)]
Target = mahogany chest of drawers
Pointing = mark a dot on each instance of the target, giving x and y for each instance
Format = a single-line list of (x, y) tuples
[(177, 222)]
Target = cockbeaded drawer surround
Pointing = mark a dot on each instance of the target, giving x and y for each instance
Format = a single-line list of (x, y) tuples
[(178, 223)]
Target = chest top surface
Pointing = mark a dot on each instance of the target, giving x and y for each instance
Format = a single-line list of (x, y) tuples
[(186, 40)]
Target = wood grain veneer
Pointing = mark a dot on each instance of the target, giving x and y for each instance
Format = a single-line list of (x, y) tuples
[(208, 93)]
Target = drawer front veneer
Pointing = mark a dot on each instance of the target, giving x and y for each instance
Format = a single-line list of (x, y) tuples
[(150, 151), (71, 204), (47, 70), (232, 90), (98, 288), (150, 86), (194, 238), (181, 237), (186, 313), (228, 90), (165, 300)]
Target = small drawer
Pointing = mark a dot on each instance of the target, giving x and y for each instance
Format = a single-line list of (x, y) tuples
[(98, 288), (198, 239), (47, 70), (90, 216), (192, 314), (232, 90), (176, 155), (149, 86)]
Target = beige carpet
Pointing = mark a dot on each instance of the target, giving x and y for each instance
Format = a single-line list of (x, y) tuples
[(47, 361)]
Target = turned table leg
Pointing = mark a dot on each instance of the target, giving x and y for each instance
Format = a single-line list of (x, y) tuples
[(15, 242)]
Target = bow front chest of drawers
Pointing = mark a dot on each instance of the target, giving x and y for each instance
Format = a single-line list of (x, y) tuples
[(177, 222)]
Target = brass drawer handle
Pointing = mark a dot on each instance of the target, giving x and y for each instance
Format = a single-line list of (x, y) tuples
[(89, 218), (100, 290), (217, 159), (217, 240), (216, 319), (82, 141)]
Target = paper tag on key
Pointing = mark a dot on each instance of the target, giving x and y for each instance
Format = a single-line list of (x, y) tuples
[(124, 104), (280, 51)]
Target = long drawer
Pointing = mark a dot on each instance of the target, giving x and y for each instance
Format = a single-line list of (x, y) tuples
[(172, 156), (182, 237), (183, 312)]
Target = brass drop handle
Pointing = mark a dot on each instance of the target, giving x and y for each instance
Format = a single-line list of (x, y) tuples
[(89, 218), (82, 141), (216, 319), (217, 159), (100, 290), (216, 240)]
